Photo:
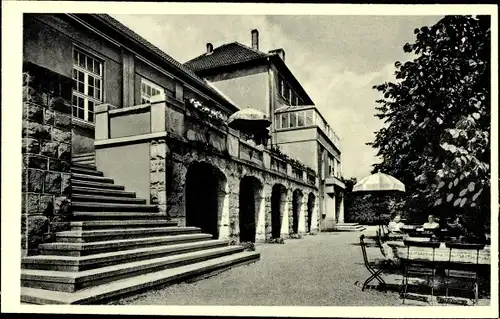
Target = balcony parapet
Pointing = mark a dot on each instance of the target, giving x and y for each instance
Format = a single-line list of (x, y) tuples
[(161, 118)]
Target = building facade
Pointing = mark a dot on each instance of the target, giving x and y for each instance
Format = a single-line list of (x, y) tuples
[(89, 88), (263, 81)]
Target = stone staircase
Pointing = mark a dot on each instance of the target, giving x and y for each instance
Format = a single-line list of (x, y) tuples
[(349, 227), (117, 245)]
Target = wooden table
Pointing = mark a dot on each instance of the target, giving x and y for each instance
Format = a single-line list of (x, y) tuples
[(462, 256)]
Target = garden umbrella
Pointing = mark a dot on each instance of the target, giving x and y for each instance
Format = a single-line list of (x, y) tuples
[(379, 182), (249, 120)]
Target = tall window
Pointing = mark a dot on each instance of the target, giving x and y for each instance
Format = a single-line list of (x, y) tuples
[(301, 118), (87, 91), (149, 89), (290, 96), (284, 120), (309, 117), (282, 86)]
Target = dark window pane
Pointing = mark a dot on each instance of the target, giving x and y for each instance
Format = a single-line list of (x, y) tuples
[(98, 94), (309, 117), (80, 113), (91, 106), (293, 119), (74, 100), (91, 117), (97, 83), (300, 119), (81, 76), (81, 61), (91, 80), (97, 67), (89, 63), (148, 90), (75, 57), (75, 110), (284, 120), (80, 102), (80, 87), (91, 91)]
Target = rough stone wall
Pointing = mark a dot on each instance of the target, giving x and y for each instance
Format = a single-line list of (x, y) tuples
[(183, 154), (46, 151)]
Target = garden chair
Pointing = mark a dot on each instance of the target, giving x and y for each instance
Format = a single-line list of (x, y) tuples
[(387, 265), (416, 267), (467, 274)]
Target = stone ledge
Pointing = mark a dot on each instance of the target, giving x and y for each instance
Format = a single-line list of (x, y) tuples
[(120, 141)]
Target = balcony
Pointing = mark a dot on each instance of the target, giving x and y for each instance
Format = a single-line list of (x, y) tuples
[(173, 119)]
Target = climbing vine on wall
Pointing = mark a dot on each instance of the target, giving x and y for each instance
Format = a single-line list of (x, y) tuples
[(207, 111)]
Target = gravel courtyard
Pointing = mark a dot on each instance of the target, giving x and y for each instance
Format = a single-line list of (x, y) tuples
[(316, 270)]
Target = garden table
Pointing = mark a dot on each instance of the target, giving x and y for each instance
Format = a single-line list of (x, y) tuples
[(442, 253)]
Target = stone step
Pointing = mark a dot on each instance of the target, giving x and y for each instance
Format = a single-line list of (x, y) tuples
[(91, 178), (86, 166), (87, 236), (349, 227), (96, 185), (83, 215), (84, 162), (107, 199), (83, 263), (113, 290), (98, 191), (86, 171), (87, 206), (73, 281), (80, 155), (85, 249), (107, 224)]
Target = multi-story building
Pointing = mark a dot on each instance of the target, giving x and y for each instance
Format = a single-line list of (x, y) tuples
[(263, 81), (101, 105)]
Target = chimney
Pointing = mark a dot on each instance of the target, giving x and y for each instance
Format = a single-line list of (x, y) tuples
[(210, 48), (279, 52), (255, 39)]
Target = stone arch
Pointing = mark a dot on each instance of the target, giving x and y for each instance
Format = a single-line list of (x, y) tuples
[(311, 199), (205, 191), (250, 197), (296, 208), (278, 198)]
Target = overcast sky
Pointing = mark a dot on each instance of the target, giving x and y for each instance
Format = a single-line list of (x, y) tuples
[(337, 59)]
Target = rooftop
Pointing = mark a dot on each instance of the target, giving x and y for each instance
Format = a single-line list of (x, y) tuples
[(227, 54)]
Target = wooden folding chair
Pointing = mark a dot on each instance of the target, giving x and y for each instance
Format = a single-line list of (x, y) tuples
[(385, 265), (419, 267), (468, 273)]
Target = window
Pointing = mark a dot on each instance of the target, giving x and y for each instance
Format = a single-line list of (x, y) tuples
[(282, 86), (309, 117), (149, 89), (290, 95), (297, 101), (284, 120), (293, 119), (300, 119), (87, 91)]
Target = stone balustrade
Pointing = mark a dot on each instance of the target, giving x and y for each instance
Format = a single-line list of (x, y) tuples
[(166, 117)]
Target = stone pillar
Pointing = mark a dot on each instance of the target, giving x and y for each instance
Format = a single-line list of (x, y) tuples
[(158, 153), (330, 211), (285, 220), (267, 193), (224, 229), (234, 206), (46, 153), (341, 209), (315, 217), (303, 215), (102, 121), (260, 232), (176, 206)]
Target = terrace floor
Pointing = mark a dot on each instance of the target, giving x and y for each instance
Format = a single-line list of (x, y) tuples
[(322, 270)]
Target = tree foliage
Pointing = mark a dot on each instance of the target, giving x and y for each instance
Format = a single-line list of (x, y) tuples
[(437, 115)]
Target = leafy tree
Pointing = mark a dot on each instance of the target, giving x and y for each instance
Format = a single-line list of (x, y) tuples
[(437, 114)]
